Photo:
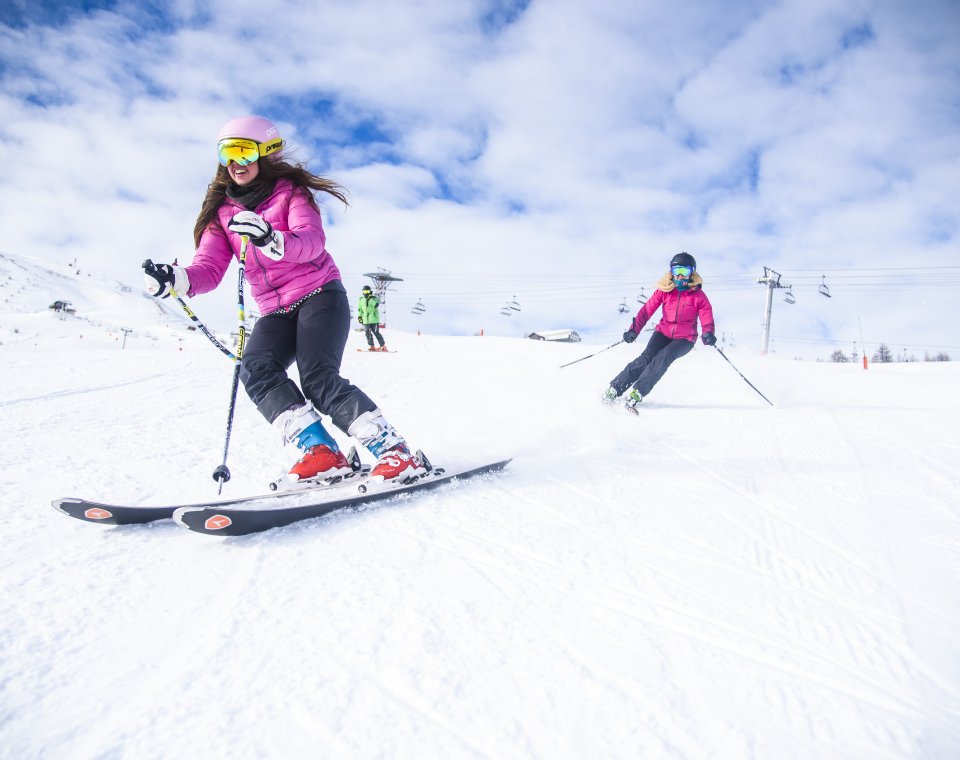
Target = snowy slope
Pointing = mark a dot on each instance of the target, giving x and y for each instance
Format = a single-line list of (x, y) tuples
[(716, 578), (98, 308)]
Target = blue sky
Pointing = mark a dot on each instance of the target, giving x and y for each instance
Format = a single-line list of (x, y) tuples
[(554, 152)]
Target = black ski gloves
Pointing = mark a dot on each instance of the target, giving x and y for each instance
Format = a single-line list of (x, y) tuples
[(709, 339), (629, 336), (261, 234), (163, 279)]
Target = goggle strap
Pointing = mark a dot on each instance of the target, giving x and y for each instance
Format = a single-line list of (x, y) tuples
[(270, 147)]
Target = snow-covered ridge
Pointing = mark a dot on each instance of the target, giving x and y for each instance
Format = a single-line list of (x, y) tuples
[(40, 301)]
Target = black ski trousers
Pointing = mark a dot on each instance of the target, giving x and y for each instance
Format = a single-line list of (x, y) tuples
[(645, 371), (371, 330), (314, 336)]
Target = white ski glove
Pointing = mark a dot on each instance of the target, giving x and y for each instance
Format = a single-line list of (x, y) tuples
[(161, 279), (261, 234)]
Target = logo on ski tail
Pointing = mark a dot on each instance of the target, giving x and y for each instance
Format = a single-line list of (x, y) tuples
[(96, 513), (218, 522)]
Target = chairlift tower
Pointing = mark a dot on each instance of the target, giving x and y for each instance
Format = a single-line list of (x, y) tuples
[(382, 280), (772, 280)]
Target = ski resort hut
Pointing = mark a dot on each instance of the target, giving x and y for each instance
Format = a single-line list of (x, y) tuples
[(557, 336)]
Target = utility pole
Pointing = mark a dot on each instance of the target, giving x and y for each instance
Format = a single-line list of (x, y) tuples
[(772, 280)]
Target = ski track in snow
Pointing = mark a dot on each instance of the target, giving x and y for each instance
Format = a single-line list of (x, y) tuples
[(713, 578)]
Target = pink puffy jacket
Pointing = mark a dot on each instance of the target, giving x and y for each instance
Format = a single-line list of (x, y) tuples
[(681, 309), (306, 265)]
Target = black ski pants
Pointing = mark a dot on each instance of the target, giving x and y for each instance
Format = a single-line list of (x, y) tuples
[(371, 330), (314, 336), (645, 371)]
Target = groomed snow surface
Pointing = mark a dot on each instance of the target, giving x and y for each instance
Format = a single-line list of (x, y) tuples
[(715, 578)]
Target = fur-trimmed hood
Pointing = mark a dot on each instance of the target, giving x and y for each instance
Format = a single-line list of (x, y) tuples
[(666, 283)]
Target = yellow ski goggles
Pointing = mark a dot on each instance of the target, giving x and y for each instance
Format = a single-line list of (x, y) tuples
[(240, 150)]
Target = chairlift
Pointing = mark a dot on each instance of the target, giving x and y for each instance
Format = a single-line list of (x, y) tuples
[(514, 305), (506, 311), (418, 307), (789, 297), (623, 308), (642, 298), (824, 290)]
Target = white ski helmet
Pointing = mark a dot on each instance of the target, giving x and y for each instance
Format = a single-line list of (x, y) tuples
[(255, 128)]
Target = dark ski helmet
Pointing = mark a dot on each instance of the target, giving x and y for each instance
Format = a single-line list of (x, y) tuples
[(366, 290), (684, 259)]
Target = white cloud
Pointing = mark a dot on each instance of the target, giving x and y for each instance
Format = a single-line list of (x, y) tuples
[(580, 141)]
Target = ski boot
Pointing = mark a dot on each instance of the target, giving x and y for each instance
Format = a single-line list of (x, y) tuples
[(322, 460), (633, 399), (398, 464), (609, 396), (395, 463)]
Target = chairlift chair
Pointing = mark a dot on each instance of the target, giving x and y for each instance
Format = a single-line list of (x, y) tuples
[(506, 311), (641, 299), (824, 290), (514, 305), (789, 297), (623, 308), (418, 307)]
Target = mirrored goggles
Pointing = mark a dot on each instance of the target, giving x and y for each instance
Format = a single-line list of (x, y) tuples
[(681, 271), (240, 150)]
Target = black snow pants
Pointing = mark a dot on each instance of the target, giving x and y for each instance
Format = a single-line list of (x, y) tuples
[(646, 370), (314, 336), (371, 330)]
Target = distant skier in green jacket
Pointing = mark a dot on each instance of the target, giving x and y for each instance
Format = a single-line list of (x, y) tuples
[(368, 315)]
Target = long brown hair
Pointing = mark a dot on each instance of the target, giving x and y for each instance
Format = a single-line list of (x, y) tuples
[(270, 171)]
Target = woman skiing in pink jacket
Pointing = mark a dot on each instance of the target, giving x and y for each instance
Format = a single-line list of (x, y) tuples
[(296, 284), (680, 293)]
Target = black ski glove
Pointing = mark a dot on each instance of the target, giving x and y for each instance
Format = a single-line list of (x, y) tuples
[(709, 339), (161, 279), (629, 336), (261, 234)]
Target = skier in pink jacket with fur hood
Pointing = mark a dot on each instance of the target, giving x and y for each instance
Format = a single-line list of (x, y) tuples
[(306, 316), (680, 293)]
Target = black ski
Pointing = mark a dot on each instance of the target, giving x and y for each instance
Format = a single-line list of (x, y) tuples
[(238, 520), (111, 514), (128, 514)]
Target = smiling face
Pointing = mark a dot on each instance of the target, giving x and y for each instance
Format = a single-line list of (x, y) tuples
[(244, 175)]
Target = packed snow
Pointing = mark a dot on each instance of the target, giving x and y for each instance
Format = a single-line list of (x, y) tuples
[(713, 578)]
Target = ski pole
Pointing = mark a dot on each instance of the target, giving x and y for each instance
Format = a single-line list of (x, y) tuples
[(591, 355), (741, 375), (222, 473), (149, 266)]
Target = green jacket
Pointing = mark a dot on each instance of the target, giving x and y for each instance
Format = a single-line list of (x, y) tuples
[(368, 309)]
